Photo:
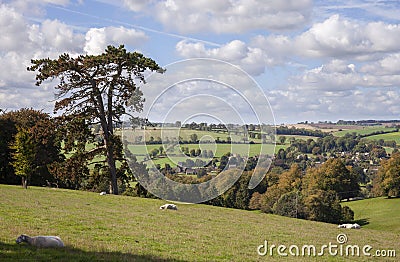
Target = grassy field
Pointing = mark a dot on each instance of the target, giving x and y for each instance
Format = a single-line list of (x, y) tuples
[(179, 132), (363, 130), (118, 228), (378, 213), (387, 137), (218, 149)]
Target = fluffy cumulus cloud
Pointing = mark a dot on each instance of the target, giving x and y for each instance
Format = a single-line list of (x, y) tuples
[(335, 37), (97, 39), (22, 40), (251, 59), (388, 65), (341, 37), (339, 89), (354, 70), (227, 16)]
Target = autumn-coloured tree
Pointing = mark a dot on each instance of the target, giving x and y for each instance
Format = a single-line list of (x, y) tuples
[(333, 175), (98, 88), (388, 177)]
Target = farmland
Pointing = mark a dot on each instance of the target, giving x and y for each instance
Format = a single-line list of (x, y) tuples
[(387, 137), (365, 131)]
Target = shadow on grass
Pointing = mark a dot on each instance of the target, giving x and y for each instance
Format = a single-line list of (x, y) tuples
[(15, 252), (362, 222)]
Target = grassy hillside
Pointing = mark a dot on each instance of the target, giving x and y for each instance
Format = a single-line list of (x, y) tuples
[(378, 213), (118, 228), (387, 137), (364, 130)]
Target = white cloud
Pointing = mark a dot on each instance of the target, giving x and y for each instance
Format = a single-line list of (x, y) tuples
[(199, 86), (340, 37), (12, 30), (339, 89), (57, 36), (34, 7), (336, 38), (356, 104), (226, 16), (252, 60), (136, 5), (389, 65), (97, 39)]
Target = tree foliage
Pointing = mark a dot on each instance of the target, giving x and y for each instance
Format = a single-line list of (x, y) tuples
[(388, 177), (23, 156), (28, 145), (333, 175)]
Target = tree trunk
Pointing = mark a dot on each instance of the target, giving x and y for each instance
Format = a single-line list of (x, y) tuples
[(112, 167), (24, 182)]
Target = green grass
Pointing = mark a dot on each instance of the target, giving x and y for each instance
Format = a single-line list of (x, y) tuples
[(220, 150), (363, 130), (381, 214), (387, 137), (118, 228), (182, 132)]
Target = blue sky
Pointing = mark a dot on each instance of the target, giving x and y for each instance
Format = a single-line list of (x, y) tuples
[(313, 60)]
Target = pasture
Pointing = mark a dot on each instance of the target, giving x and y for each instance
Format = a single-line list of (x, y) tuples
[(381, 213), (387, 137), (119, 228), (366, 130), (171, 133)]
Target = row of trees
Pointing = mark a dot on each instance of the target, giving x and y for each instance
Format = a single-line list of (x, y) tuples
[(313, 195), (331, 144)]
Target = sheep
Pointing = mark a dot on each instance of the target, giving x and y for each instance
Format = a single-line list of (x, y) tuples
[(41, 241), (169, 206), (352, 226)]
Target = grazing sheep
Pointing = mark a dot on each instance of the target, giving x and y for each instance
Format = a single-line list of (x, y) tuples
[(169, 206), (41, 241), (352, 226)]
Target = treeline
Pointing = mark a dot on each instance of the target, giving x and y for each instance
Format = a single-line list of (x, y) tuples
[(284, 130), (347, 143), (366, 122), (380, 132)]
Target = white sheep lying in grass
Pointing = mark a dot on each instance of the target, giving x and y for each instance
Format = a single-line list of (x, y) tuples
[(41, 241), (169, 206), (352, 226)]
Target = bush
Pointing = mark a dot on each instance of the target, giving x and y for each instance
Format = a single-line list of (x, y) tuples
[(290, 205), (347, 214)]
